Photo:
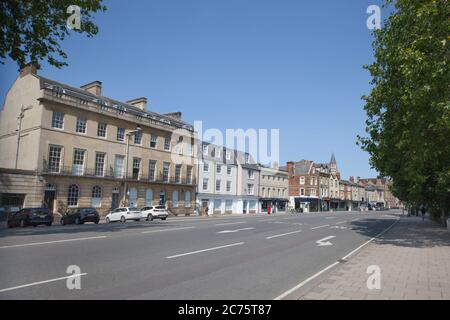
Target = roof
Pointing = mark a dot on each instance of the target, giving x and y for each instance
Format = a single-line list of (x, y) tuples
[(106, 102)]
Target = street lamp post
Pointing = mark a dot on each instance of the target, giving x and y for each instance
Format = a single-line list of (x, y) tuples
[(127, 137), (19, 130)]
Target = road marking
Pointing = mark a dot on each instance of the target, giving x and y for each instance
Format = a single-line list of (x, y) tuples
[(162, 230), (236, 230), (338, 227), (325, 225), (42, 282), (50, 242), (204, 250), (301, 284), (341, 222), (355, 219), (322, 242), (230, 223), (330, 217), (283, 234)]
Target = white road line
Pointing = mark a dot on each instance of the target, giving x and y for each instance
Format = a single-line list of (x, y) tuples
[(42, 282), (283, 234), (355, 219), (236, 230), (204, 250), (50, 242), (325, 225), (341, 222), (330, 217), (162, 230), (230, 223), (301, 284)]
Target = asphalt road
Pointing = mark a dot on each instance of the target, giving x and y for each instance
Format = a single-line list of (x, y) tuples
[(233, 257)]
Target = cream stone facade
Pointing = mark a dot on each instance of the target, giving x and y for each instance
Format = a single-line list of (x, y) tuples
[(73, 145), (273, 189)]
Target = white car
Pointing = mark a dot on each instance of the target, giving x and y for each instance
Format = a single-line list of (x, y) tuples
[(155, 212), (123, 214)]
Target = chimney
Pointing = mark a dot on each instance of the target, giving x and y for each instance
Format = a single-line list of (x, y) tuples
[(174, 115), (93, 87), (351, 179), (140, 103), (275, 165), (29, 68), (290, 167)]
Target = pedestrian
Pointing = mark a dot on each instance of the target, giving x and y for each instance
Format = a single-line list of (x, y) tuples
[(207, 211), (268, 209), (423, 210)]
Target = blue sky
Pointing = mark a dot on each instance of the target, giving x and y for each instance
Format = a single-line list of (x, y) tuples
[(293, 65)]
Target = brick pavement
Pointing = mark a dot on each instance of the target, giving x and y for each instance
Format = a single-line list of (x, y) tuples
[(414, 260)]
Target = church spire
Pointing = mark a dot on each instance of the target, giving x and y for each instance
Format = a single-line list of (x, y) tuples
[(333, 159)]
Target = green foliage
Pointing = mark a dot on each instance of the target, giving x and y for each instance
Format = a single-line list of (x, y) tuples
[(408, 109), (31, 30)]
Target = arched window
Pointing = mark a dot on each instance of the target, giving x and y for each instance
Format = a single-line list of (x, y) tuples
[(148, 198), (72, 197), (175, 199), (96, 199), (187, 199), (133, 197)]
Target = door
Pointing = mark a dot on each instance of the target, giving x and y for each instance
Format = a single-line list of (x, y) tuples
[(114, 201), (162, 198), (205, 203), (244, 206), (49, 199)]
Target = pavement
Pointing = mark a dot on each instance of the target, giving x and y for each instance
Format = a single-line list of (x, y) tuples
[(414, 263), (230, 257)]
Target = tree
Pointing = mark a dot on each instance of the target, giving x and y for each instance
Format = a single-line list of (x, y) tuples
[(31, 30), (408, 108)]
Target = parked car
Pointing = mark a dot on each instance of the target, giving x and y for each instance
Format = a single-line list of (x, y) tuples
[(80, 216), (155, 212), (30, 217), (123, 214)]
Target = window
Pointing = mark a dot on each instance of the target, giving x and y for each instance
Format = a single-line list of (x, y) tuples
[(189, 174), (217, 206), (228, 186), (132, 202), (263, 192), (120, 134), (58, 120), (167, 143), (178, 173), (153, 139), (313, 192), (189, 149), (118, 166), (218, 153), (152, 170), (136, 168), (205, 167), (175, 199), (302, 192), (54, 158), (251, 174), (205, 149), (138, 137), (81, 125), (96, 199), (302, 180), (179, 148), (205, 184), (148, 197), (72, 197), (187, 199), (247, 158), (99, 164), (228, 155), (229, 205), (218, 184), (229, 170), (213, 152), (218, 168), (252, 206), (250, 189), (78, 162), (166, 168), (101, 130)]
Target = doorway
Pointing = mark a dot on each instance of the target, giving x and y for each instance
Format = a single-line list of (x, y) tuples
[(205, 203), (244, 206), (49, 197)]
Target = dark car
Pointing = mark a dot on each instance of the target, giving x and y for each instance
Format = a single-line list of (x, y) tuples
[(80, 216), (31, 217)]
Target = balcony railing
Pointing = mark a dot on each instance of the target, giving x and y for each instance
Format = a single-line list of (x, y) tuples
[(110, 173)]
